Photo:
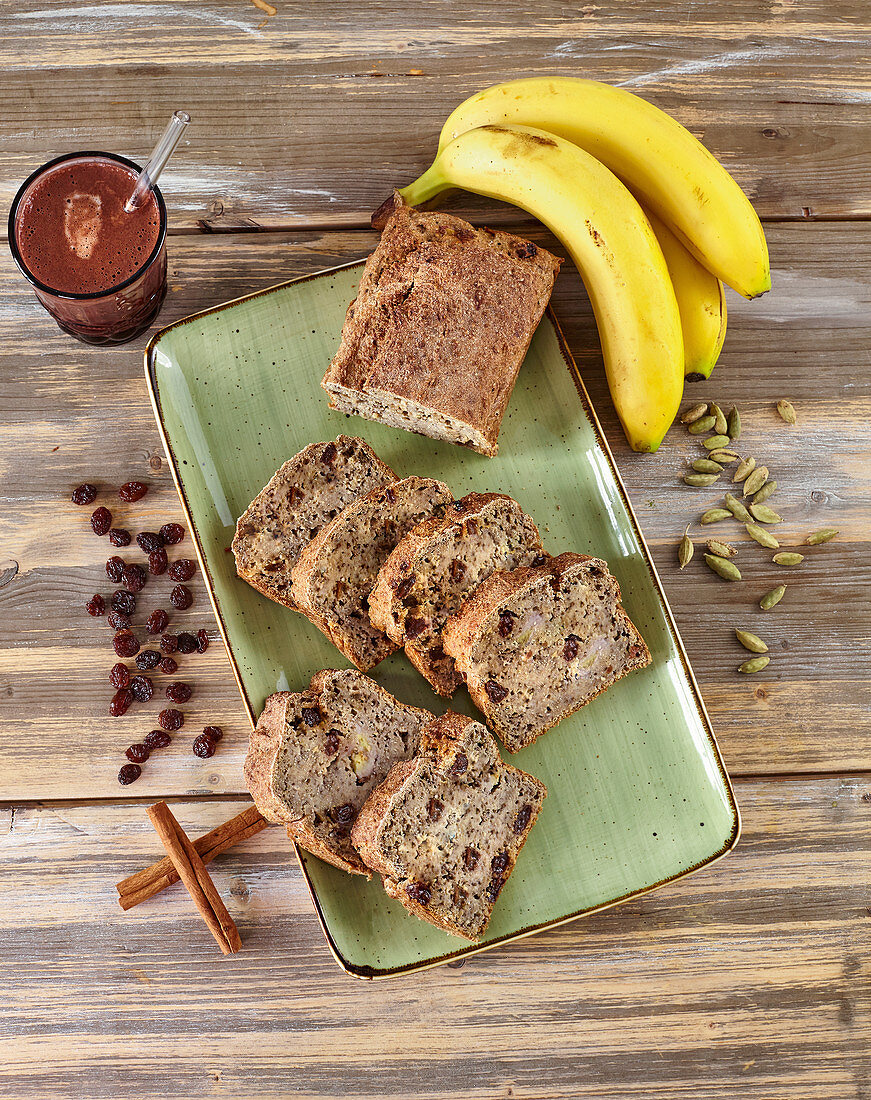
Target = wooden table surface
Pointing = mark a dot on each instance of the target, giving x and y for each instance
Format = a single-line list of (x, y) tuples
[(751, 979)]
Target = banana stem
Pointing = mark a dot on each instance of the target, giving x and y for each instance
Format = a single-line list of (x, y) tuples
[(425, 187)]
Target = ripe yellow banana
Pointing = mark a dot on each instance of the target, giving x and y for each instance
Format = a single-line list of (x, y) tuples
[(664, 166), (611, 243), (700, 300)]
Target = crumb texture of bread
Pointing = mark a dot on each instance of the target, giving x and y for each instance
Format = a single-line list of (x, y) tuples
[(335, 573), (308, 491), (435, 568), (442, 321), (315, 756), (538, 643), (445, 829)]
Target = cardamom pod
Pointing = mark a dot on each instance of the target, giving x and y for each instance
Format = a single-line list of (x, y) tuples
[(685, 549), (745, 468), (755, 481), (720, 425), (772, 598), (707, 466), (733, 429), (765, 492), (755, 664), (726, 457), (751, 641), (723, 567), (763, 537), (826, 535), (693, 413), (737, 508), (714, 515), (716, 442), (788, 558), (765, 514), (722, 549), (703, 425), (786, 410), (700, 481)]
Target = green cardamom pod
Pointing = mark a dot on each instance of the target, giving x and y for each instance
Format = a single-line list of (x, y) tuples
[(685, 549), (763, 537), (755, 481), (745, 468), (722, 549), (788, 558), (700, 481), (786, 411), (772, 598), (720, 425), (751, 641), (755, 664), (765, 514), (726, 457), (703, 425), (716, 442), (765, 492), (693, 413), (707, 466), (734, 424), (826, 535), (737, 509), (714, 515), (723, 567)]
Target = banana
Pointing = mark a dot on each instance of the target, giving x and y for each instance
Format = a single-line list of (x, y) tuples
[(666, 168), (700, 300), (611, 243)]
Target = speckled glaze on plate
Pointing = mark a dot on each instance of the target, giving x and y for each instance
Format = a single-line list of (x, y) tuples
[(638, 794)]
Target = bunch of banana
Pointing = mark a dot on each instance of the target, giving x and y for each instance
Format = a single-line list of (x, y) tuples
[(653, 250)]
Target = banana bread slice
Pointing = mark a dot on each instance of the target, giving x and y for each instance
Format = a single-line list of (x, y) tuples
[(315, 755), (539, 642), (336, 571), (440, 326), (444, 829), (305, 493), (437, 565)]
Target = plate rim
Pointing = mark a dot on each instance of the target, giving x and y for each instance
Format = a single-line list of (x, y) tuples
[(369, 973)]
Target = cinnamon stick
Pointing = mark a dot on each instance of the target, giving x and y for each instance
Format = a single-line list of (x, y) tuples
[(151, 880), (192, 872)]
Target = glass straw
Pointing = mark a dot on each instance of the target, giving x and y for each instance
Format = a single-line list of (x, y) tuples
[(157, 161)]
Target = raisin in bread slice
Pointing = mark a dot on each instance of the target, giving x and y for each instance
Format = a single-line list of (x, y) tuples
[(308, 491), (437, 565), (315, 756), (444, 829), (336, 571), (539, 642)]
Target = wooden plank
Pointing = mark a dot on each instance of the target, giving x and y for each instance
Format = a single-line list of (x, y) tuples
[(808, 340), (750, 978), (329, 111)]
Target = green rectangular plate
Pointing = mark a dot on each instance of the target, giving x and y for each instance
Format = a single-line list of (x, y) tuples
[(638, 795)]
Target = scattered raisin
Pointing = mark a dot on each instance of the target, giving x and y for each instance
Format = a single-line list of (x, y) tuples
[(119, 676), (434, 809), (148, 542), (169, 643), (538, 560), (204, 746), (157, 563), (495, 692), (84, 494), (177, 692), (157, 621), (494, 888), (470, 858), (134, 577), (125, 643), (120, 702), (129, 774), (142, 688), (168, 665), (202, 641), (311, 716), (125, 602), (522, 819), (183, 569), (132, 490), (414, 626), (157, 739), (499, 864), (506, 622), (187, 643), (172, 533), (460, 765), (328, 455), (570, 649), (331, 743), (101, 521), (170, 719), (635, 651), (404, 587), (138, 753), (458, 570), (344, 815), (117, 620), (419, 893), (181, 597), (96, 605), (119, 537), (115, 570), (148, 658), (215, 732)]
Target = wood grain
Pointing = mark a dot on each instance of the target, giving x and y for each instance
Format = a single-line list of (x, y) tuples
[(749, 979)]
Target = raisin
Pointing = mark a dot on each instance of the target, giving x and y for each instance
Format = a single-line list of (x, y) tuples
[(328, 455), (101, 521), (538, 560), (119, 676), (494, 887), (404, 587), (635, 651), (434, 809), (132, 490), (344, 815), (177, 692), (202, 641), (499, 864), (458, 570), (168, 665), (148, 542), (138, 753), (142, 688), (157, 563), (183, 569), (414, 626), (119, 537), (570, 649), (84, 494), (526, 250), (172, 534), (124, 602), (470, 858), (215, 732), (204, 747), (522, 819), (169, 643), (419, 893), (157, 621), (390, 495), (117, 620), (129, 774), (134, 577), (125, 643), (311, 716), (170, 719), (471, 526), (115, 570), (157, 739), (181, 597), (120, 702), (460, 765), (148, 658), (187, 643), (331, 743), (96, 605), (294, 495), (506, 623), (495, 692)]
